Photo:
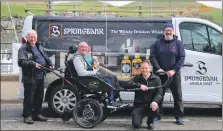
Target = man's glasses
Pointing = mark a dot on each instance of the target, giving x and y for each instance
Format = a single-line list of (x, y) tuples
[(168, 30)]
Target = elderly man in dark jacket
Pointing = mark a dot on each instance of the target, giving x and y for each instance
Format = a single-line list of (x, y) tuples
[(30, 58), (145, 100), (168, 55)]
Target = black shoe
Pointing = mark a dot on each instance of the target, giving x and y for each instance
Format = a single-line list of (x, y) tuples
[(115, 104), (66, 115), (28, 120), (39, 118), (119, 99), (179, 121), (156, 119), (150, 126)]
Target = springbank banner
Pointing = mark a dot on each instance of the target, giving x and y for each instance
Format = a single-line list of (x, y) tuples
[(113, 35)]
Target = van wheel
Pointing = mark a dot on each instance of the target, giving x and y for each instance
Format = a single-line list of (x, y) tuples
[(63, 97)]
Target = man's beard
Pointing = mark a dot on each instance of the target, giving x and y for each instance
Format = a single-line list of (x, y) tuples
[(168, 37)]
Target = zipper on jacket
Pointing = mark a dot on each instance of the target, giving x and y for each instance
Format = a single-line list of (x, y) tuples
[(168, 47), (145, 80), (33, 69)]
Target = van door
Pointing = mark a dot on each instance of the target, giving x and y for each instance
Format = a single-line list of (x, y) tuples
[(201, 83)]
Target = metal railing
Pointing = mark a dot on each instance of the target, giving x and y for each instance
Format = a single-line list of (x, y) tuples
[(6, 58), (77, 9)]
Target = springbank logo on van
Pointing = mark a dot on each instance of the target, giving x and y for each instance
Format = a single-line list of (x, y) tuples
[(55, 30), (87, 31), (201, 68), (200, 78)]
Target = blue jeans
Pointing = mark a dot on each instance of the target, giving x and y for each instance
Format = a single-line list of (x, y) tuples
[(111, 94)]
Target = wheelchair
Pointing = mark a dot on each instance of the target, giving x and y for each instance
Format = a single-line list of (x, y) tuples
[(91, 93)]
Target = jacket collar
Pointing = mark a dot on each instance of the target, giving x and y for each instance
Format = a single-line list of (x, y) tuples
[(29, 47), (152, 76), (161, 37)]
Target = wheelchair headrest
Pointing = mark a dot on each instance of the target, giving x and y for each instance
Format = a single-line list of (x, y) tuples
[(73, 49)]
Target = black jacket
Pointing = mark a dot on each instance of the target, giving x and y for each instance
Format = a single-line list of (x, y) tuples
[(146, 97), (25, 61)]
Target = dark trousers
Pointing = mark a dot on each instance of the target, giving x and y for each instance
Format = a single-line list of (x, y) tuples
[(33, 98), (138, 114), (175, 87)]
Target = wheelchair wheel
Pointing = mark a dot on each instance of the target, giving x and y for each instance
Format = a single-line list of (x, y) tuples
[(87, 113)]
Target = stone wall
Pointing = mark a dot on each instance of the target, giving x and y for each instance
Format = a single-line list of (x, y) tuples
[(7, 31)]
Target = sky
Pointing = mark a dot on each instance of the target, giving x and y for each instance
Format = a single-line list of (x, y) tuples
[(215, 4)]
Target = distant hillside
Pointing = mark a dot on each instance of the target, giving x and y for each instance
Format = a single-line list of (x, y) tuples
[(159, 9), (189, 9)]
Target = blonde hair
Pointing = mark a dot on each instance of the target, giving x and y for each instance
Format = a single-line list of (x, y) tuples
[(145, 62)]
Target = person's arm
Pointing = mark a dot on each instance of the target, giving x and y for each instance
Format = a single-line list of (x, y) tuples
[(153, 56), (79, 66), (158, 91), (48, 60), (23, 59), (130, 84), (180, 56)]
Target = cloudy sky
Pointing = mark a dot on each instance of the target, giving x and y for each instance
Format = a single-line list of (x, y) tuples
[(215, 4)]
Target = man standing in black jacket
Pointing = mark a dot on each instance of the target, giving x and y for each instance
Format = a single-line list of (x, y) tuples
[(30, 57), (145, 100), (168, 55)]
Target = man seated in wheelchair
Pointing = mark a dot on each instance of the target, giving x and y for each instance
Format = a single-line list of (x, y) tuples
[(89, 66)]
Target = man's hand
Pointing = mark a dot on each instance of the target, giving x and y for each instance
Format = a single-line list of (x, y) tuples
[(51, 67), (95, 58), (38, 65), (171, 73), (96, 63), (143, 87), (154, 106)]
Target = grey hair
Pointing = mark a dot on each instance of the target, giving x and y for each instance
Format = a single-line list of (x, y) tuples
[(30, 31)]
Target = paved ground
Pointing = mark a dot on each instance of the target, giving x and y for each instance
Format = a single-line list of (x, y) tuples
[(196, 117), (204, 118)]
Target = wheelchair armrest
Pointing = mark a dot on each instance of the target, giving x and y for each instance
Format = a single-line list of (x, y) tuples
[(93, 83), (85, 77)]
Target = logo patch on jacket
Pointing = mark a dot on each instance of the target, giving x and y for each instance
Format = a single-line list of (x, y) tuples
[(173, 49)]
